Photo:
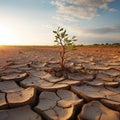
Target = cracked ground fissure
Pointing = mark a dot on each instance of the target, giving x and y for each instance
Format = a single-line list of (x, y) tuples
[(60, 99)]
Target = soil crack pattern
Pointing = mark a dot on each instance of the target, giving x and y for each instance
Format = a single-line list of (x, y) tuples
[(28, 91)]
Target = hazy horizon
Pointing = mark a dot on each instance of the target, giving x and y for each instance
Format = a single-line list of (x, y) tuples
[(31, 22)]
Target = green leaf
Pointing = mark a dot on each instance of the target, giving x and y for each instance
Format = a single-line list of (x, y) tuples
[(55, 32), (73, 37), (61, 29), (58, 35), (66, 39), (64, 31), (63, 34), (62, 38), (69, 41), (74, 40), (55, 40)]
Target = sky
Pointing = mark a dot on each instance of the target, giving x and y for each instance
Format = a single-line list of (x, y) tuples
[(31, 22)]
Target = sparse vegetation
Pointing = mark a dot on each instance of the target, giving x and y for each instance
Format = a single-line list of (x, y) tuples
[(107, 44), (62, 39)]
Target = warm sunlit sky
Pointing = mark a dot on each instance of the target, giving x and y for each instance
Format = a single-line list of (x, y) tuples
[(30, 22)]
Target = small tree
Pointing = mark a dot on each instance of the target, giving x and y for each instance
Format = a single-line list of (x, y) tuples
[(62, 39)]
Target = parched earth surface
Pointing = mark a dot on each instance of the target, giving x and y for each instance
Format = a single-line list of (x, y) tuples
[(28, 92)]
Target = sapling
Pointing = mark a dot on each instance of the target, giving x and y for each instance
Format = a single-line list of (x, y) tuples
[(62, 39)]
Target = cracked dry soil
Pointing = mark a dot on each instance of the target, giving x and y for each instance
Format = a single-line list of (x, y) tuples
[(28, 92)]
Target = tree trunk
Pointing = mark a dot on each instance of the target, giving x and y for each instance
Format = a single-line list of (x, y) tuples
[(62, 58)]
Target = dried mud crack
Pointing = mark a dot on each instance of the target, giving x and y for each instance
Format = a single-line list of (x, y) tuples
[(28, 92)]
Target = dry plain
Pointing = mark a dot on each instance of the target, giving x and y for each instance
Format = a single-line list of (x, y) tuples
[(28, 92)]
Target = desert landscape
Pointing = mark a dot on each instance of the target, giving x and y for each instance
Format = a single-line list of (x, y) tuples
[(29, 92), (59, 59)]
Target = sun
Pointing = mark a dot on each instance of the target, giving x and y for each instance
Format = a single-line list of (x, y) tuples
[(6, 36)]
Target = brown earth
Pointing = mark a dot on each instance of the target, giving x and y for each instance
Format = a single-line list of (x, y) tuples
[(36, 53), (27, 91)]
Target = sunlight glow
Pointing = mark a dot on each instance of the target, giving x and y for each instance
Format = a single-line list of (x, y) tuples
[(6, 36)]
